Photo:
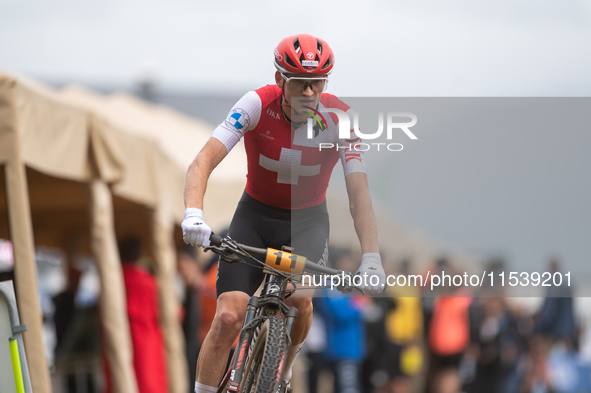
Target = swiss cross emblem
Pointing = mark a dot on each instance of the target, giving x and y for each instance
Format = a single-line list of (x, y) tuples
[(289, 166), (310, 55)]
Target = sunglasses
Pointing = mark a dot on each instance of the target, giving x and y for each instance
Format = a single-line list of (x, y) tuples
[(298, 84)]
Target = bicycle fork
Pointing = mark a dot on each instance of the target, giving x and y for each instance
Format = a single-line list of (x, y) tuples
[(237, 369), (254, 303)]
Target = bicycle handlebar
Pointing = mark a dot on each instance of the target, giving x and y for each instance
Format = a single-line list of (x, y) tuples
[(279, 260), (215, 240)]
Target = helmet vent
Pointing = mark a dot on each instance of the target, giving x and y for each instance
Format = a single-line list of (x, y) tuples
[(289, 61), (328, 63), (319, 47), (296, 45)]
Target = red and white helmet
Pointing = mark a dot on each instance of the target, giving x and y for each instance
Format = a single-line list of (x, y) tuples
[(304, 54)]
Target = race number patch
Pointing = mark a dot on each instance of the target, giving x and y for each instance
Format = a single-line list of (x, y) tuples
[(285, 261)]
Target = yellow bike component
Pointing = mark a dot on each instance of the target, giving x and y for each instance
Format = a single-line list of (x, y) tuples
[(285, 261)]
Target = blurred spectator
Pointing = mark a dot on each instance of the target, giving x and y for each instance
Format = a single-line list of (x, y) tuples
[(404, 331), (345, 335), (448, 336), (375, 373), (190, 273), (495, 345), (77, 335), (314, 347), (143, 311), (557, 318), (537, 377), (550, 366), (64, 303), (553, 365)]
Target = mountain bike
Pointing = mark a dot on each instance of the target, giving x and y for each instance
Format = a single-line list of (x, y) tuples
[(265, 338)]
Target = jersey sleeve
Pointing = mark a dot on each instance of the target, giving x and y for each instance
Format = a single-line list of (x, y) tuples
[(244, 116), (351, 155)]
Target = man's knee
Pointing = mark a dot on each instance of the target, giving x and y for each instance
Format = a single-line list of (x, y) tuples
[(228, 320), (229, 317)]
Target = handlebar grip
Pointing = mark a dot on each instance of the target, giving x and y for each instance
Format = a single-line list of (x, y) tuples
[(215, 240)]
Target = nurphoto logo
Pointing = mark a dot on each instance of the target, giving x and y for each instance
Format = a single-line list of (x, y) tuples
[(346, 132)]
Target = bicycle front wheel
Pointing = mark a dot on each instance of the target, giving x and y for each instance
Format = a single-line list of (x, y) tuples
[(265, 364)]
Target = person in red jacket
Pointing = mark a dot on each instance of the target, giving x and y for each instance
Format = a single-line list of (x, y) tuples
[(149, 358)]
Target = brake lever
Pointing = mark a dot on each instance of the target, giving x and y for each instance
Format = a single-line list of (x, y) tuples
[(226, 244), (214, 249), (362, 291), (349, 288), (344, 289), (227, 250)]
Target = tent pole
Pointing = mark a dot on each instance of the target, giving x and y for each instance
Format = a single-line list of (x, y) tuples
[(113, 308), (165, 255), (25, 271), (21, 235)]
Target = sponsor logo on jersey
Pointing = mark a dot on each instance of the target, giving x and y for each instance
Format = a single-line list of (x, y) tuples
[(267, 135), (272, 113), (238, 119), (309, 63)]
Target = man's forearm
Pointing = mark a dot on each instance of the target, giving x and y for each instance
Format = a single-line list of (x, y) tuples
[(367, 230), (365, 223), (195, 186), (361, 209), (199, 171)]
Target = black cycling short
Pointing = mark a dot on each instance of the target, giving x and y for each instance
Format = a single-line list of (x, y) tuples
[(260, 225)]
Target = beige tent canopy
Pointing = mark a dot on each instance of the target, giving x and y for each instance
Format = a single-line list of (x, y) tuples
[(61, 157), (179, 138), (31, 119)]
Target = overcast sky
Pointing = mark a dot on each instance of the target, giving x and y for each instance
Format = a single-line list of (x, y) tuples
[(383, 48)]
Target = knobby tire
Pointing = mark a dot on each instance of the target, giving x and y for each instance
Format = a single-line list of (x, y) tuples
[(265, 364)]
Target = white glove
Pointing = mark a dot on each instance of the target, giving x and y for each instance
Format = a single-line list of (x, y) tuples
[(371, 265), (195, 231)]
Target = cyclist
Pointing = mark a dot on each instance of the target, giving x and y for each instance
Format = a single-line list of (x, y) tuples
[(284, 200)]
